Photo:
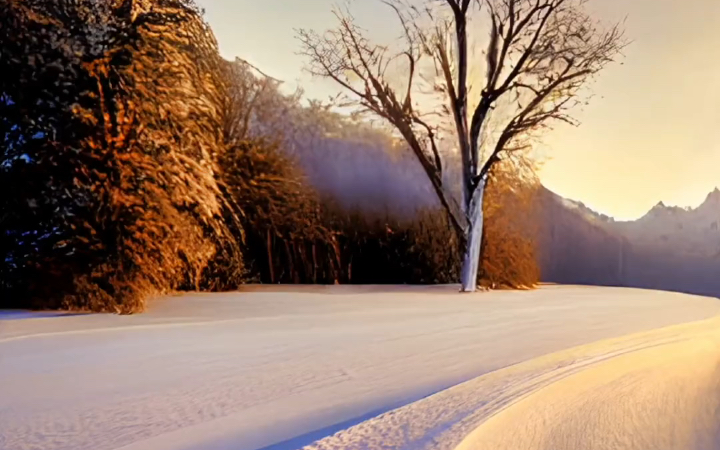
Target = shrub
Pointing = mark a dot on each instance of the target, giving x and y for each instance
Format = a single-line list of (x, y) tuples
[(509, 254)]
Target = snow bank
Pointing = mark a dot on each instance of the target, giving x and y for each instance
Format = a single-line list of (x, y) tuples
[(657, 390), (664, 396), (283, 367)]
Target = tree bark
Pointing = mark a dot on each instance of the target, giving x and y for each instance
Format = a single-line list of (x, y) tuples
[(473, 242)]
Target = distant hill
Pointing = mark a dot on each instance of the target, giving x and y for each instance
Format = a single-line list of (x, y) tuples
[(669, 248)]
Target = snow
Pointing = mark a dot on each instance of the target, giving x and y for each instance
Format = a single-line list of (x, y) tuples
[(664, 395), (655, 390), (281, 367)]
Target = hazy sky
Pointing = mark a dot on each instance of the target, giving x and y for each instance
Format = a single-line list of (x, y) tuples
[(651, 133)]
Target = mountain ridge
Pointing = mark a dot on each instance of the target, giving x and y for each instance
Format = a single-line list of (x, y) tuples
[(669, 248), (712, 199)]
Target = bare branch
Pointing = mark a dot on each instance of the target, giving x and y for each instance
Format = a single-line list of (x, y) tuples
[(351, 60)]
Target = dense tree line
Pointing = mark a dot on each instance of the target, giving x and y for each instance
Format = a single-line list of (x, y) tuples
[(136, 161)]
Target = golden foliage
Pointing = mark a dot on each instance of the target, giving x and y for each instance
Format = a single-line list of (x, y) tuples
[(126, 96), (509, 258)]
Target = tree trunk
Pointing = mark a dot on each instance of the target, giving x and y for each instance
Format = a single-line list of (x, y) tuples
[(270, 257), (473, 243)]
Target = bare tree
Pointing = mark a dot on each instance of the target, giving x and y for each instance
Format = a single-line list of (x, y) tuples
[(537, 56)]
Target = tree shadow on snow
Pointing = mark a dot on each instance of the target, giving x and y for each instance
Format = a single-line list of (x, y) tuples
[(20, 314)]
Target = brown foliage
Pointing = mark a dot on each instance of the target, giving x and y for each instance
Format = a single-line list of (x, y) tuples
[(280, 220), (509, 256), (116, 197), (285, 237)]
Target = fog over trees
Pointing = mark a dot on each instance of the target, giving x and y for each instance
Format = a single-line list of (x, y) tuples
[(538, 56)]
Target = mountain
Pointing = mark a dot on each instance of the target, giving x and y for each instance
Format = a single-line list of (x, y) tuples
[(682, 230), (574, 244), (669, 248)]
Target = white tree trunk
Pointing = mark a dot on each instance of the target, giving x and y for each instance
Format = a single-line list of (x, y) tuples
[(471, 257)]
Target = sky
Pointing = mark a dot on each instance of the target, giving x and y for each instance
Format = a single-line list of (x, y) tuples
[(651, 132)]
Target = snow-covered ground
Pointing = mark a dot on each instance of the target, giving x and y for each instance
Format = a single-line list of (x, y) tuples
[(280, 368)]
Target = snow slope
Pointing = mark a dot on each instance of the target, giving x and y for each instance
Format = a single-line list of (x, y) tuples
[(283, 367), (657, 390)]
